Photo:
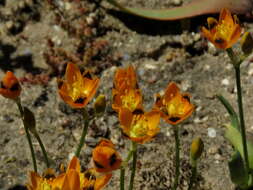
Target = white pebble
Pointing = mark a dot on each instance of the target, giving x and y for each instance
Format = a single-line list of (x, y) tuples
[(225, 82), (250, 72), (211, 132), (68, 6)]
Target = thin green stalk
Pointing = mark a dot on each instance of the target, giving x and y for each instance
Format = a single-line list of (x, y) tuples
[(84, 132), (241, 116), (177, 159), (193, 176), (43, 149), (122, 178), (20, 108), (122, 169), (28, 136), (236, 63), (134, 149)]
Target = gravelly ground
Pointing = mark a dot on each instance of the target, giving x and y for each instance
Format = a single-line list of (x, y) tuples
[(36, 40)]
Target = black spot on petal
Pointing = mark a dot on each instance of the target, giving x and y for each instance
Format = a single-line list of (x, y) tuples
[(138, 111), (80, 100), (15, 87), (174, 119), (187, 98), (90, 188), (2, 86), (98, 165), (113, 159), (219, 41), (88, 75)]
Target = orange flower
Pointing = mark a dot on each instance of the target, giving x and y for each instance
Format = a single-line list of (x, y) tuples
[(105, 157), (125, 78), (225, 33), (9, 86), (139, 126), (77, 90), (174, 106), (47, 182), (72, 179), (127, 98)]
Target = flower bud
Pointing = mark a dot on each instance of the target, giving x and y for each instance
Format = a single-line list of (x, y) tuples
[(100, 104), (197, 148), (9, 86), (247, 43)]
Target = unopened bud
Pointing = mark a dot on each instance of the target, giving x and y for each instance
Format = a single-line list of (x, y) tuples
[(247, 43), (29, 120), (100, 104), (197, 148)]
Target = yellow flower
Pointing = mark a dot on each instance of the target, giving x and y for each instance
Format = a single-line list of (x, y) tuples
[(72, 179), (138, 126), (77, 90), (125, 78), (127, 98), (105, 157), (9, 86), (225, 33), (174, 107), (47, 182)]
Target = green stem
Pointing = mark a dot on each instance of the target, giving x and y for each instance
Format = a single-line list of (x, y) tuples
[(134, 149), (28, 136), (236, 63), (122, 178), (177, 159), (84, 132), (20, 108), (193, 176), (43, 149), (242, 124), (122, 169)]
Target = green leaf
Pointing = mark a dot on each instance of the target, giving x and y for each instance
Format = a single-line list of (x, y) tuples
[(237, 171), (234, 137), (195, 8), (29, 120), (233, 115)]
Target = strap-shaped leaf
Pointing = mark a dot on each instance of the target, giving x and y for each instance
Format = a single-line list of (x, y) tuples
[(195, 8), (234, 137), (237, 171), (233, 115)]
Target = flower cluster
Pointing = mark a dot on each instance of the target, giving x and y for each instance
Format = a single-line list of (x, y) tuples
[(104, 155), (137, 125), (141, 126)]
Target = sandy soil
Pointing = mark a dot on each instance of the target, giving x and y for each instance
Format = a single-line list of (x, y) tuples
[(37, 39)]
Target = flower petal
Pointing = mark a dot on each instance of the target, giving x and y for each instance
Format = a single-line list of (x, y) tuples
[(74, 164), (125, 117)]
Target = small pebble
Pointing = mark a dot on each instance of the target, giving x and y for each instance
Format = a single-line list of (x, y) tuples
[(217, 157), (9, 24), (68, 6), (250, 71), (225, 82), (211, 132)]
